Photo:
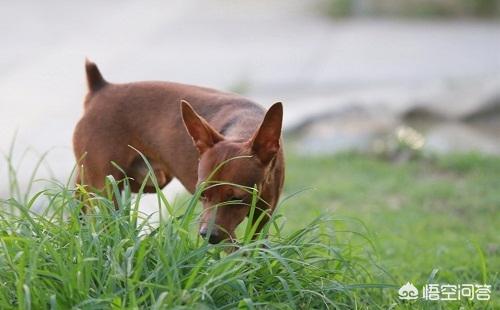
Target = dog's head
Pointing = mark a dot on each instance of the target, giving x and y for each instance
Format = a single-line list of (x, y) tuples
[(228, 167)]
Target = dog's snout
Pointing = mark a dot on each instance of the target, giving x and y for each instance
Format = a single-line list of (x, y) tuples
[(215, 235)]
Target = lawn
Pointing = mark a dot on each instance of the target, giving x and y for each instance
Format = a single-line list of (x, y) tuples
[(434, 217), (351, 229)]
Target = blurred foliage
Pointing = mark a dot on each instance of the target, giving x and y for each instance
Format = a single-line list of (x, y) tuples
[(402, 145), (413, 8)]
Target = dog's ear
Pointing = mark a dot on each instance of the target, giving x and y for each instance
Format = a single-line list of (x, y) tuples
[(204, 136), (266, 140)]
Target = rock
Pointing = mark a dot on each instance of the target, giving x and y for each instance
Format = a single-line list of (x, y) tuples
[(422, 115), (355, 127), (487, 113)]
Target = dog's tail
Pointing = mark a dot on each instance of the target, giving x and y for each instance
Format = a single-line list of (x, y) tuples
[(95, 81)]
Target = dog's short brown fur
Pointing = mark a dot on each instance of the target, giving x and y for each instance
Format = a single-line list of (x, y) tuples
[(159, 120)]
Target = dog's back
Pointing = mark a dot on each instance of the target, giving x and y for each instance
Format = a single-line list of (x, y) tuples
[(146, 115), (159, 102)]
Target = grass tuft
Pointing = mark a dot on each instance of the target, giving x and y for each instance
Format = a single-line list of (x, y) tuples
[(120, 258)]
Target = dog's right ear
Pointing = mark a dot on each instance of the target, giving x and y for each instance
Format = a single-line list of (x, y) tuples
[(266, 140), (204, 136)]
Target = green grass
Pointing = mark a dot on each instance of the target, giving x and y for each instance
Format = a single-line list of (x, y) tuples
[(439, 213), (119, 259), (353, 229)]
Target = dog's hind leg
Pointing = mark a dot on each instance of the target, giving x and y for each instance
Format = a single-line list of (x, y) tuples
[(138, 171), (96, 165)]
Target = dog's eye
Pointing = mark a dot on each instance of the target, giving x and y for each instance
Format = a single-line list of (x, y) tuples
[(236, 199)]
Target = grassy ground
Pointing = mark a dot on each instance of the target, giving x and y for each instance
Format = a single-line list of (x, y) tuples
[(430, 220), (436, 214)]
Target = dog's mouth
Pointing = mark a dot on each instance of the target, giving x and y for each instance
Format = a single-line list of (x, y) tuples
[(215, 239), (216, 236)]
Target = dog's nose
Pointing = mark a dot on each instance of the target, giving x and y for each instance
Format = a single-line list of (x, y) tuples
[(215, 235), (203, 232)]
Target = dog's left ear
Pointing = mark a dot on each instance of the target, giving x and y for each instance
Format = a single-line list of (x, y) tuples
[(204, 136), (266, 140)]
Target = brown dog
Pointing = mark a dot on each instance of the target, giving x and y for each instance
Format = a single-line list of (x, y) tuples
[(153, 118)]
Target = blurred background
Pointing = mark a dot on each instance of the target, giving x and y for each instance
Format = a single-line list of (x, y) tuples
[(392, 109), (353, 74)]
